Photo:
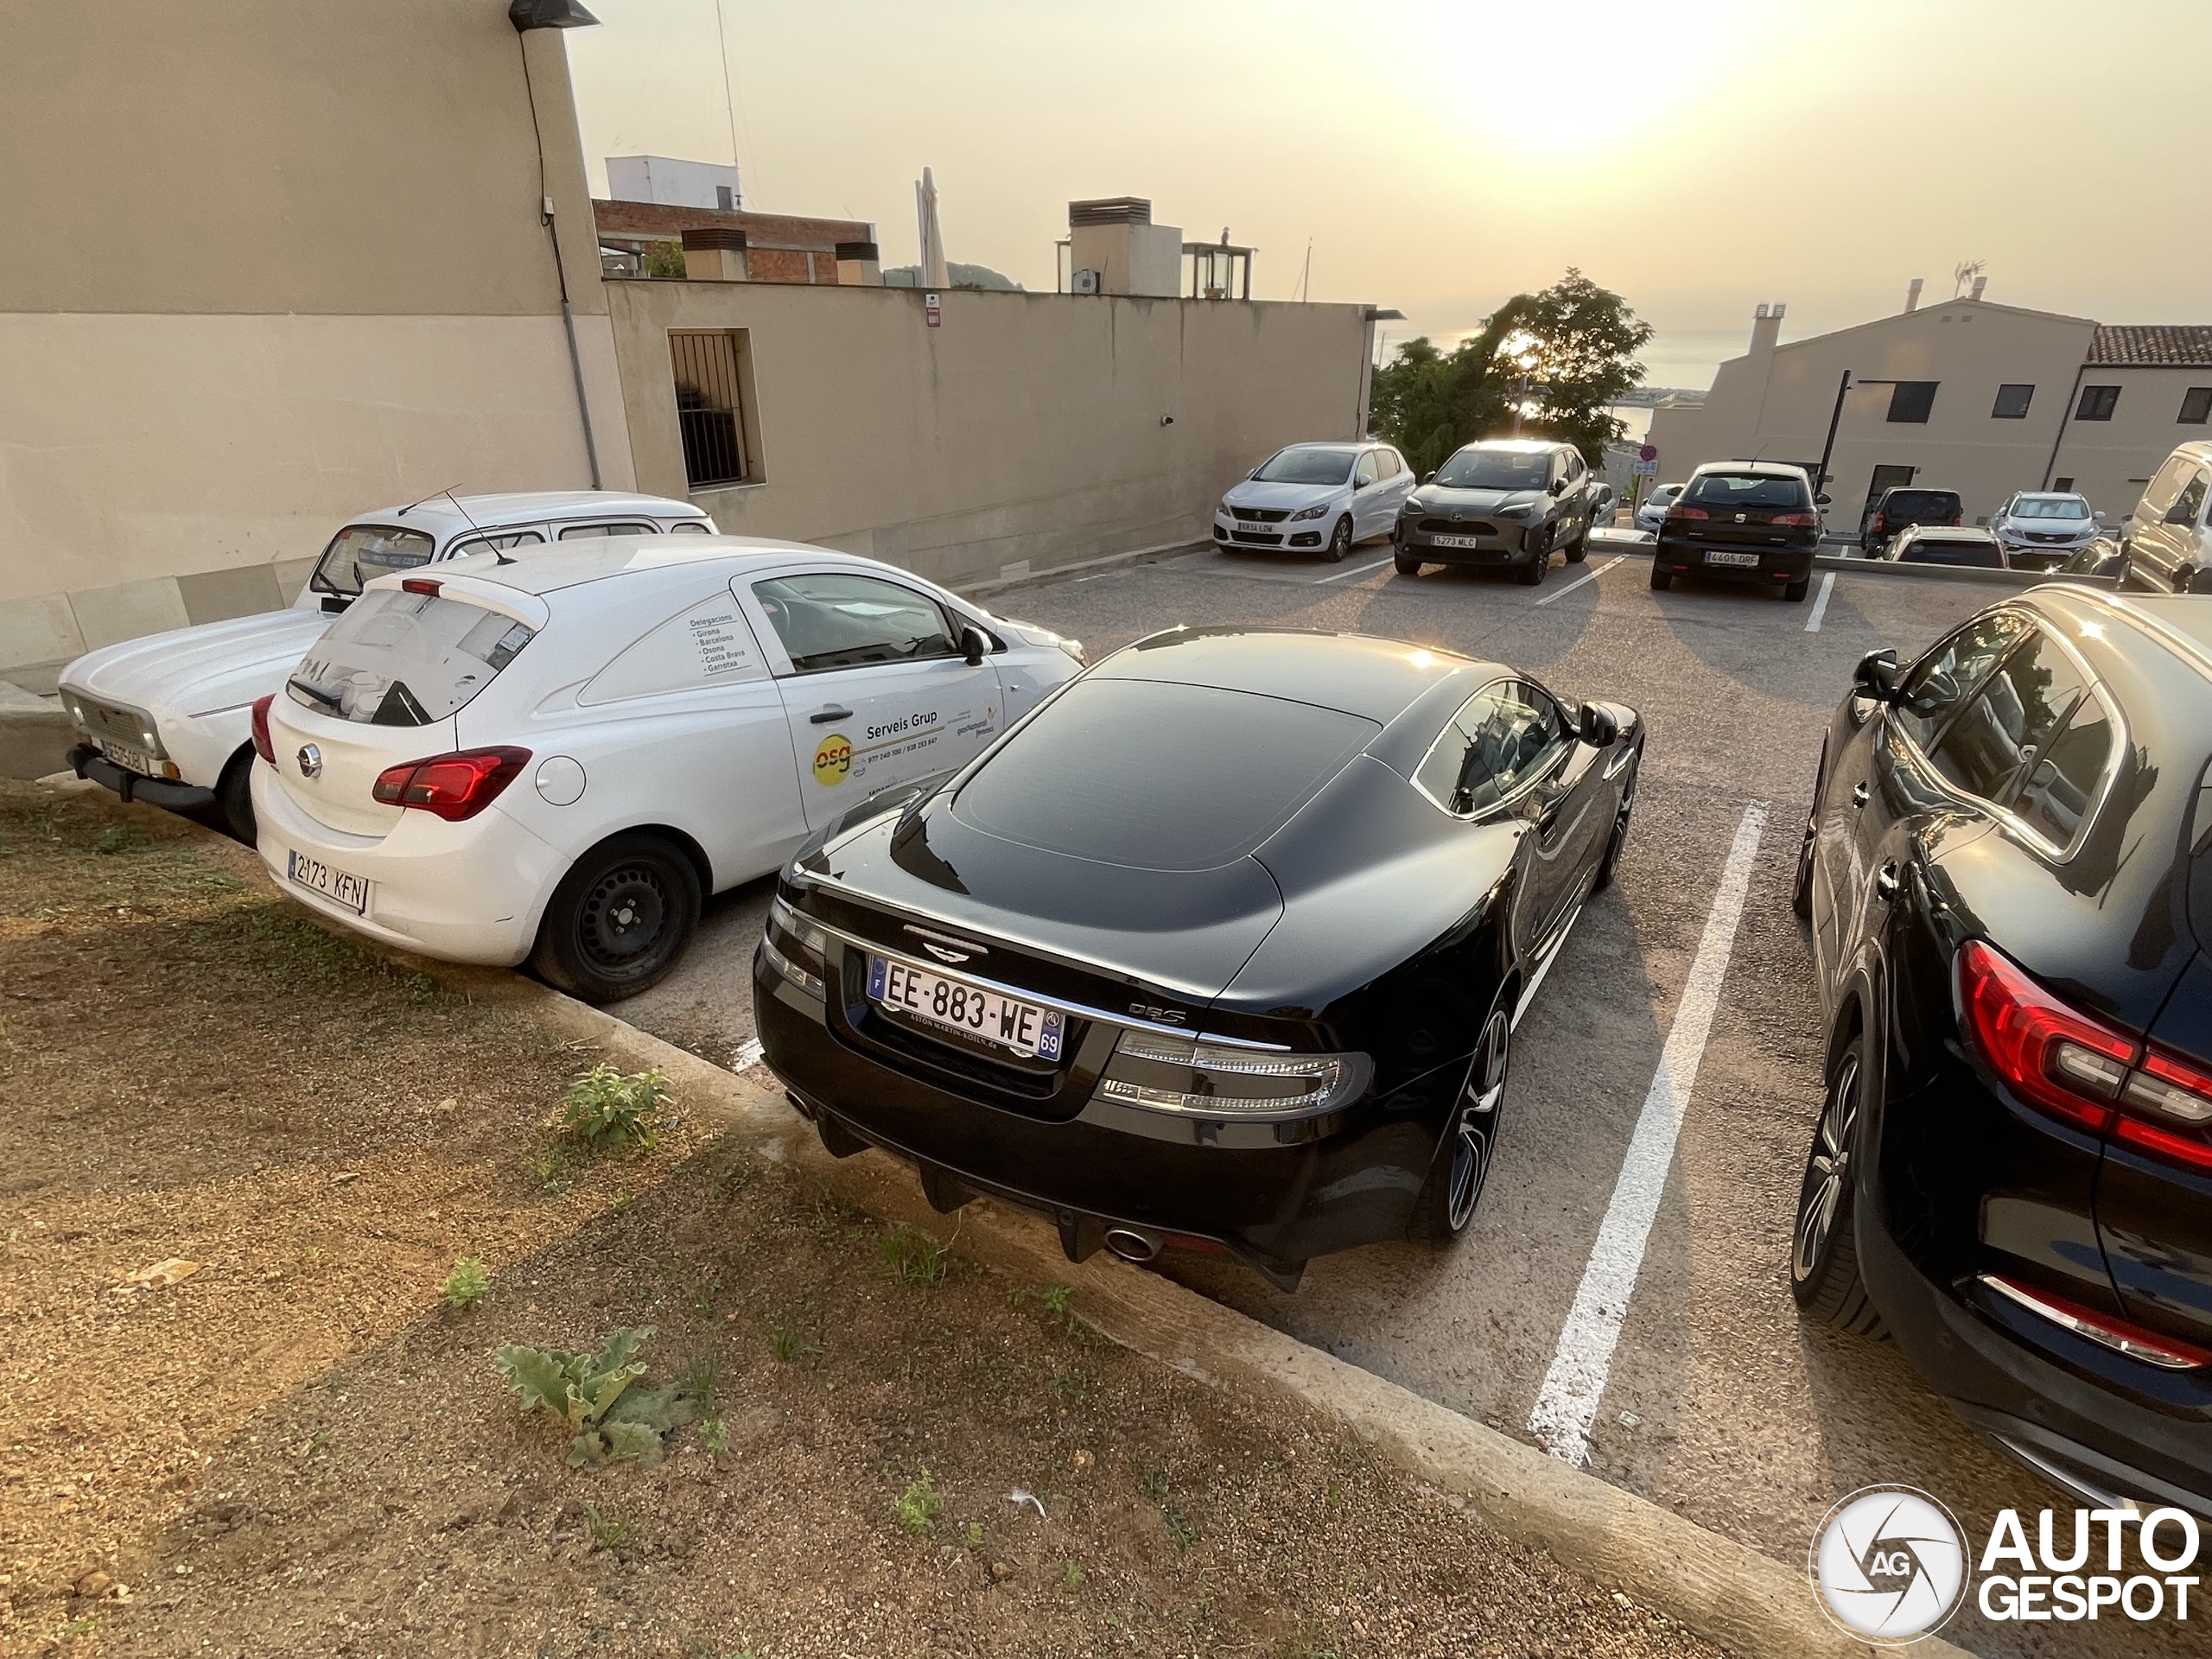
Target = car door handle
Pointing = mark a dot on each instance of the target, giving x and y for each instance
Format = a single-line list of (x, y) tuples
[(1859, 793), (823, 716), (1886, 883)]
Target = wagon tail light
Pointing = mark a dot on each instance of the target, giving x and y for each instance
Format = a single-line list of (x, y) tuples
[(1800, 519), (455, 786), (2078, 1069), (262, 744), (1210, 1079)]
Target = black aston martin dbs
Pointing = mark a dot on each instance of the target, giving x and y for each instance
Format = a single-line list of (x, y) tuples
[(1221, 948)]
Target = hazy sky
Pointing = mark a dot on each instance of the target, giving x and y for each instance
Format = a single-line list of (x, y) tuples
[(1697, 155)]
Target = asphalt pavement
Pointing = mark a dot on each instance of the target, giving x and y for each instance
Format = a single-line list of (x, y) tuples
[(1655, 1336)]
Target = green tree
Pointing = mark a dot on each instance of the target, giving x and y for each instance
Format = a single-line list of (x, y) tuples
[(1574, 338)]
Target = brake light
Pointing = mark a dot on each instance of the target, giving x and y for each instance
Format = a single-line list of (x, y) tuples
[(1688, 512), (455, 786), (2121, 1336), (1955, 518), (2164, 1100), (2062, 1062), (422, 585), (1881, 521), (262, 744), (1799, 518)]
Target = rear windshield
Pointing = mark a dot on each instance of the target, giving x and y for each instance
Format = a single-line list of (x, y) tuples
[(1158, 776), (1740, 490), (1307, 466), (1953, 550), (360, 551), (397, 658), (1920, 504), (1496, 470)]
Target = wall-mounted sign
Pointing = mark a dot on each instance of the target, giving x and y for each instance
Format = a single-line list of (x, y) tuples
[(933, 312)]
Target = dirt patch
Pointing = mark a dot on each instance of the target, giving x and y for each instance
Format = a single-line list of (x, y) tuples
[(297, 1447)]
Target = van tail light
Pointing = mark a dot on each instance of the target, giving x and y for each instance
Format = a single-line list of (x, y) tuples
[(1800, 519), (1688, 512), (2121, 1336), (262, 744), (455, 786), (2059, 1061)]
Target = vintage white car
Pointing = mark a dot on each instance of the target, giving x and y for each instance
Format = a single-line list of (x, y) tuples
[(554, 760), (164, 718)]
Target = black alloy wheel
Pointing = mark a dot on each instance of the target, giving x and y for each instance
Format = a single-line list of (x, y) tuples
[(619, 919), (1579, 549), (1662, 577), (1824, 1248), (1606, 864), (1533, 572), (1340, 541), (1795, 591), (1462, 1164)]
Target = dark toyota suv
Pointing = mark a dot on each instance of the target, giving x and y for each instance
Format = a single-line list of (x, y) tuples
[(2007, 869), (1743, 521)]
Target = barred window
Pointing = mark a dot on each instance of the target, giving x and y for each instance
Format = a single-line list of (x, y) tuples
[(713, 370)]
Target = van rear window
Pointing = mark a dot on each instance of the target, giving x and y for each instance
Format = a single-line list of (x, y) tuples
[(397, 658)]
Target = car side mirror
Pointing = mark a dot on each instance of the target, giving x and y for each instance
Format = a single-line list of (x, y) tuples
[(1559, 486), (1359, 484), (2099, 516), (1428, 477), (2179, 513), (975, 644), (1877, 676), (1821, 500), (1599, 726), (1255, 472)]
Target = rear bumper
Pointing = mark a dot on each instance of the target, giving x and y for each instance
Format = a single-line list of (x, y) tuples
[(88, 762), (470, 892), (1689, 557), (2089, 1438), (1274, 1204)]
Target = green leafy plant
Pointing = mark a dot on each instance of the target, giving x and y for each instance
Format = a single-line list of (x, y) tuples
[(465, 1285), (913, 1257), (663, 259), (916, 1508), (77, 1627), (787, 1342), (1072, 1579), (715, 1433), (604, 1110), (592, 1393), (1056, 1299), (974, 1535), (605, 1533)]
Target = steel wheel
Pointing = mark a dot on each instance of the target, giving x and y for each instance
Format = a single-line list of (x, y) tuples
[(621, 918), (1474, 1127)]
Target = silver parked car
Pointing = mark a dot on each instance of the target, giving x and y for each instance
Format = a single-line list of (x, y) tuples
[(1318, 496), (2169, 537), (2040, 529), (1653, 513)]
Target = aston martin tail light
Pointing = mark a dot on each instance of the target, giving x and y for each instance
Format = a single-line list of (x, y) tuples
[(1186, 1074)]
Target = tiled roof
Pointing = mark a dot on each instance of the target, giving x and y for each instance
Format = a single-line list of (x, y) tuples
[(2153, 345)]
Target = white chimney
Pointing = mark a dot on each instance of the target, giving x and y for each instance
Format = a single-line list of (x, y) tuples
[(1912, 294), (1766, 327), (1980, 283)]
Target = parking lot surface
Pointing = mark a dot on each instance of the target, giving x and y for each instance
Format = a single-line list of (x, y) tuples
[(1714, 1399)]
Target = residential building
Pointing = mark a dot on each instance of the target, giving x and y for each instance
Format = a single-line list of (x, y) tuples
[(673, 184), (1964, 394)]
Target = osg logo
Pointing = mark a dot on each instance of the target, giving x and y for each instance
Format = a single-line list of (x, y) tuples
[(832, 761), (1889, 1565)]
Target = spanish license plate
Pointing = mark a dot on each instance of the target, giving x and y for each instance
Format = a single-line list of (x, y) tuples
[(1455, 541), (338, 886), (1001, 1021), (1748, 560), (131, 759)]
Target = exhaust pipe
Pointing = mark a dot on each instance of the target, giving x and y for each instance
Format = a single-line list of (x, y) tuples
[(1131, 1245)]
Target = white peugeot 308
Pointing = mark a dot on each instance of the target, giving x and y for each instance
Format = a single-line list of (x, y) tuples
[(553, 759)]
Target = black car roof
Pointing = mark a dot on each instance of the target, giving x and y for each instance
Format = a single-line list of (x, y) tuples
[(1356, 674)]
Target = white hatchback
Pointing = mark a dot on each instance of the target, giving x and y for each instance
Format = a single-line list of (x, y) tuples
[(164, 719), (554, 760)]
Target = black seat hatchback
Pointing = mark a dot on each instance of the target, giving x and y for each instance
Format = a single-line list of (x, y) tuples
[(1753, 521), (2007, 869)]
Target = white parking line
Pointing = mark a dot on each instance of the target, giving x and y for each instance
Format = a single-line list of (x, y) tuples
[(1821, 604), (1591, 574), (747, 1055), (1566, 1405), (1357, 570)]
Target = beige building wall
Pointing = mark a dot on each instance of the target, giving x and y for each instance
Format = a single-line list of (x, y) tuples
[(262, 265), (1029, 431), (2110, 461), (1777, 403)]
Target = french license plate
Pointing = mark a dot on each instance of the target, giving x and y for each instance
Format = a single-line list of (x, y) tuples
[(1022, 1027), (1749, 560), (1455, 541), (129, 758), (351, 891)]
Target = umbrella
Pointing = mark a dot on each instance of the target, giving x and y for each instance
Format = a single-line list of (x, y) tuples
[(934, 274)]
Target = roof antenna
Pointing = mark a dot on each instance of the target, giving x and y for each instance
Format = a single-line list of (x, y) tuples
[(498, 557), (432, 496)]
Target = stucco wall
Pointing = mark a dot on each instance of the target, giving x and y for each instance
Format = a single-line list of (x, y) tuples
[(2110, 461), (1026, 430)]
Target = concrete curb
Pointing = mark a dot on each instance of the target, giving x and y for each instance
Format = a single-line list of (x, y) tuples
[(1726, 1592), (34, 733), (1886, 568)]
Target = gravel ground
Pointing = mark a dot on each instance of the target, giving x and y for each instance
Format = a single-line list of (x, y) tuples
[(295, 1447)]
